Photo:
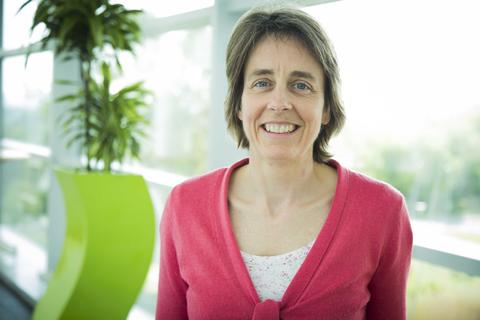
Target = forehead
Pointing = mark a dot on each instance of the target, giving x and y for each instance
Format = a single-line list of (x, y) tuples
[(281, 54)]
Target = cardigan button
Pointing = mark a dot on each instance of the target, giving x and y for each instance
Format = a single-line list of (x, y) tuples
[(267, 310)]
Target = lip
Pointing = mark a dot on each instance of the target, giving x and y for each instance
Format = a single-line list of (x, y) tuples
[(279, 123), (262, 125), (274, 134)]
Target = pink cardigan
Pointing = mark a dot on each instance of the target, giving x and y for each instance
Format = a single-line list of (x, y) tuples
[(356, 269)]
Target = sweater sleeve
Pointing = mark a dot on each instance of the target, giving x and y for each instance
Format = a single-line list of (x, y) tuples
[(171, 298), (388, 284)]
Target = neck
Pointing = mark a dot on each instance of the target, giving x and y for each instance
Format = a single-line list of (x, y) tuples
[(277, 186)]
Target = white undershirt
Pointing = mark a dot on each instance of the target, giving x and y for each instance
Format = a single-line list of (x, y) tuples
[(271, 275)]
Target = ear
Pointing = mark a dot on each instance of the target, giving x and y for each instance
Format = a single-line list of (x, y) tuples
[(326, 116)]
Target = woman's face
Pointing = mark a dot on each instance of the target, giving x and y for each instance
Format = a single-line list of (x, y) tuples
[(282, 100)]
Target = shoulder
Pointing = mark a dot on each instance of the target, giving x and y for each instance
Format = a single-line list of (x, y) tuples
[(189, 203), (197, 188), (367, 186), (198, 198), (358, 186), (214, 183), (361, 186), (367, 196), (375, 206)]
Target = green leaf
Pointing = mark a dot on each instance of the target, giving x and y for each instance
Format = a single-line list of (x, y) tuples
[(106, 72), (68, 97), (23, 6), (65, 82), (77, 138), (69, 25)]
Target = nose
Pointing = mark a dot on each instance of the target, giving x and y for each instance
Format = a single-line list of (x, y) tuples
[(279, 100)]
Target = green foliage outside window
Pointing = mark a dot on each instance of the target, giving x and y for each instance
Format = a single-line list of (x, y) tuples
[(438, 293), (444, 176)]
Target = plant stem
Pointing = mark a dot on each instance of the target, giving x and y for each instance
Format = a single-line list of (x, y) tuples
[(86, 65)]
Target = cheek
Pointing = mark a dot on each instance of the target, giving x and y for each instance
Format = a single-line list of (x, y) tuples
[(250, 110), (244, 106), (319, 112), (311, 114), (312, 117)]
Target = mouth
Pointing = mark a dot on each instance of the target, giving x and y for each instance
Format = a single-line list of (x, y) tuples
[(280, 128)]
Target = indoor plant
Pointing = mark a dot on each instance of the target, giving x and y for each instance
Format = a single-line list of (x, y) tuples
[(110, 223), (91, 31)]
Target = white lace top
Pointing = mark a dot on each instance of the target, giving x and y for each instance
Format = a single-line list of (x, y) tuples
[(271, 275)]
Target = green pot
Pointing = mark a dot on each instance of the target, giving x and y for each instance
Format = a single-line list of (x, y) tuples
[(110, 230)]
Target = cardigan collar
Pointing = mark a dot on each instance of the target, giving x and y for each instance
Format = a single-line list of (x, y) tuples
[(306, 271)]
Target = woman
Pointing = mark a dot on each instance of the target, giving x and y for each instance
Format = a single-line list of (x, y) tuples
[(287, 233)]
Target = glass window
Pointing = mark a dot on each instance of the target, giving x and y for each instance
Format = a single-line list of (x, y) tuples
[(23, 215), (23, 206), (176, 67), (410, 73), (26, 94), (439, 293), (16, 27)]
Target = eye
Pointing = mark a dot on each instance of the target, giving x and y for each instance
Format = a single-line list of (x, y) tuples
[(301, 86), (261, 84)]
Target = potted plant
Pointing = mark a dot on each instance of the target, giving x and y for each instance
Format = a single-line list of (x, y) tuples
[(110, 222)]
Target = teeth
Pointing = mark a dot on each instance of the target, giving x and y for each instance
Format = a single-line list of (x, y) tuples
[(279, 128)]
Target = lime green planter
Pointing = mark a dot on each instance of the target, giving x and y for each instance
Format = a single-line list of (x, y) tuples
[(107, 250)]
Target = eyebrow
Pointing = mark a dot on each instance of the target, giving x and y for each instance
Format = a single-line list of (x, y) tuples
[(296, 73), (303, 74), (261, 72)]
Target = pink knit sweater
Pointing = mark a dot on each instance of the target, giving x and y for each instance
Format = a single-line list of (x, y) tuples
[(356, 269)]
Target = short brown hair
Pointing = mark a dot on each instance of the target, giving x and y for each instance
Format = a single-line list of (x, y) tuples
[(250, 30)]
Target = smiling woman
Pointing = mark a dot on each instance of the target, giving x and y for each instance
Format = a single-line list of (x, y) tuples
[(282, 103), (310, 47), (287, 233)]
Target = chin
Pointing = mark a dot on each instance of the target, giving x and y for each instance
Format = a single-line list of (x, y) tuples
[(278, 155)]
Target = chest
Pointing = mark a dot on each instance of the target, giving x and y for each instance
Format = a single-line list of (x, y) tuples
[(332, 289), (258, 234)]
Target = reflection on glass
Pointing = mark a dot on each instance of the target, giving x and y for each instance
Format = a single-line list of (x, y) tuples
[(23, 204), (176, 67), (16, 27), (26, 93), (412, 103), (23, 222)]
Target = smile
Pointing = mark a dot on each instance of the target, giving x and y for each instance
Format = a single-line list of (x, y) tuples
[(279, 128)]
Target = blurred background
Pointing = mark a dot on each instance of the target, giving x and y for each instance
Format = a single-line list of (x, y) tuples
[(411, 86)]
